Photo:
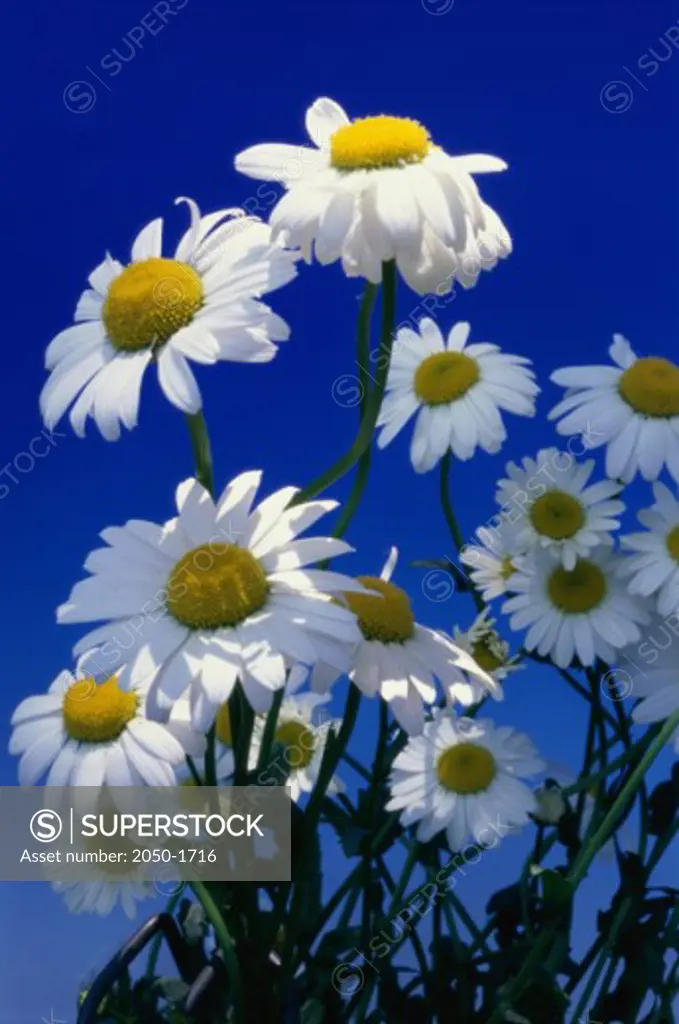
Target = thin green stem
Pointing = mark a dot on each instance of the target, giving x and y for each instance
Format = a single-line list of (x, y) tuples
[(269, 731), (211, 757), (227, 946), (202, 452), (157, 943), (195, 774), (334, 749), (451, 520)]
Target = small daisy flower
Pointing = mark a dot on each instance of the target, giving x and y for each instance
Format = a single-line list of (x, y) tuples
[(457, 393), (378, 189), (489, 651), (555, 509), (654, 568), (303, 736), (464, 776), (202, 304), (88, 733), (632, 408), (584, 611), (101, 897), (492, 562), (399, 659), (219, 594), (648, 672)]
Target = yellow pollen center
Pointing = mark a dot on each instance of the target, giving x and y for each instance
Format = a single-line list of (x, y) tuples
[(672, 541), (215, 586), (466, 768), (445, 377), (387, 618), (97, 714), (651, 387), (507, 568), (149, 302), (579, 590), (223, 726), (299, 742), (486, 655), (380, 141), (557, 515)]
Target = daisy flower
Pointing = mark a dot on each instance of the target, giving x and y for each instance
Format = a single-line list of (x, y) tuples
[(88, 733), (101, 897), (556, 509), (493, 561), (489, 651), (457, 393), (201, 304), (399, 659), (584, 611), (303, 737), (632, 408), (648, 671), (219, 594), (654, 568), (464, 776), (378, 189)]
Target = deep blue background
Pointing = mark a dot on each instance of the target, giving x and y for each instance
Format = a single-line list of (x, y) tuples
[(589, 199)]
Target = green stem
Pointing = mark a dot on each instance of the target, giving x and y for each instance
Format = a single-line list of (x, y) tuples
[(211, 757), (451, 520), (195, 774), (334, 749), (157, 943), (374, 403), (202, 452), (608, 944), (269, 730), (227, 946)]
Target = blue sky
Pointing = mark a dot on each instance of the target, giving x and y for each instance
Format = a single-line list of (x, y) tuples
[(110, 117)]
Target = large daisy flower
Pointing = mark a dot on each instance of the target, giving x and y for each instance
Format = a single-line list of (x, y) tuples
[(303, 735), (399, 659), (464, 776), (654, 568), (201, 304), (378, 189), (632, 407), (88, 733), (550, 505), (493, 561), (648, 672), (219, 594), (457, 392), (488, 650), (584, 611), (101, 897)]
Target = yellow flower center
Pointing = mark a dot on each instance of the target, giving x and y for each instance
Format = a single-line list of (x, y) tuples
[(223, 726), (579, 590), (387, 618), (672, 541), (97, 714), (299, 742), (487, 655), (215, 586), (557, 515), (149, 302), (445, 377), (466, 768), (651, 387), (507, 568), (378, 142)]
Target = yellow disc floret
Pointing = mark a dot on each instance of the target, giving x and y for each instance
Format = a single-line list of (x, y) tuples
[(557, 515), (466, 768), (223, 729), (382, 141), (215, 586), (488, 654), (445, 377), (651, 387), (97, 714), (578, 590), (672, 542), (387, 616), (149, 302), (299, 742)]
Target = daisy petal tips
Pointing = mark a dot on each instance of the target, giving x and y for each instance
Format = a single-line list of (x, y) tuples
[(200, 305), (376, 189)]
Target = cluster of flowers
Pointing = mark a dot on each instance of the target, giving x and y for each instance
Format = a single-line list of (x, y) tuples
[(225, 593)]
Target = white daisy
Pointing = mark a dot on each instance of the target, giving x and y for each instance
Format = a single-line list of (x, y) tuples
[(584, 611), (488, 650), (654, 569), (457, 392), (201, 304), (399, 659), (101, 897), (493, 561), (378, 189), (219, 594), (303, 735), (632, 407), (549, 505), (464, 776), (649, 672), (88, 733)]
